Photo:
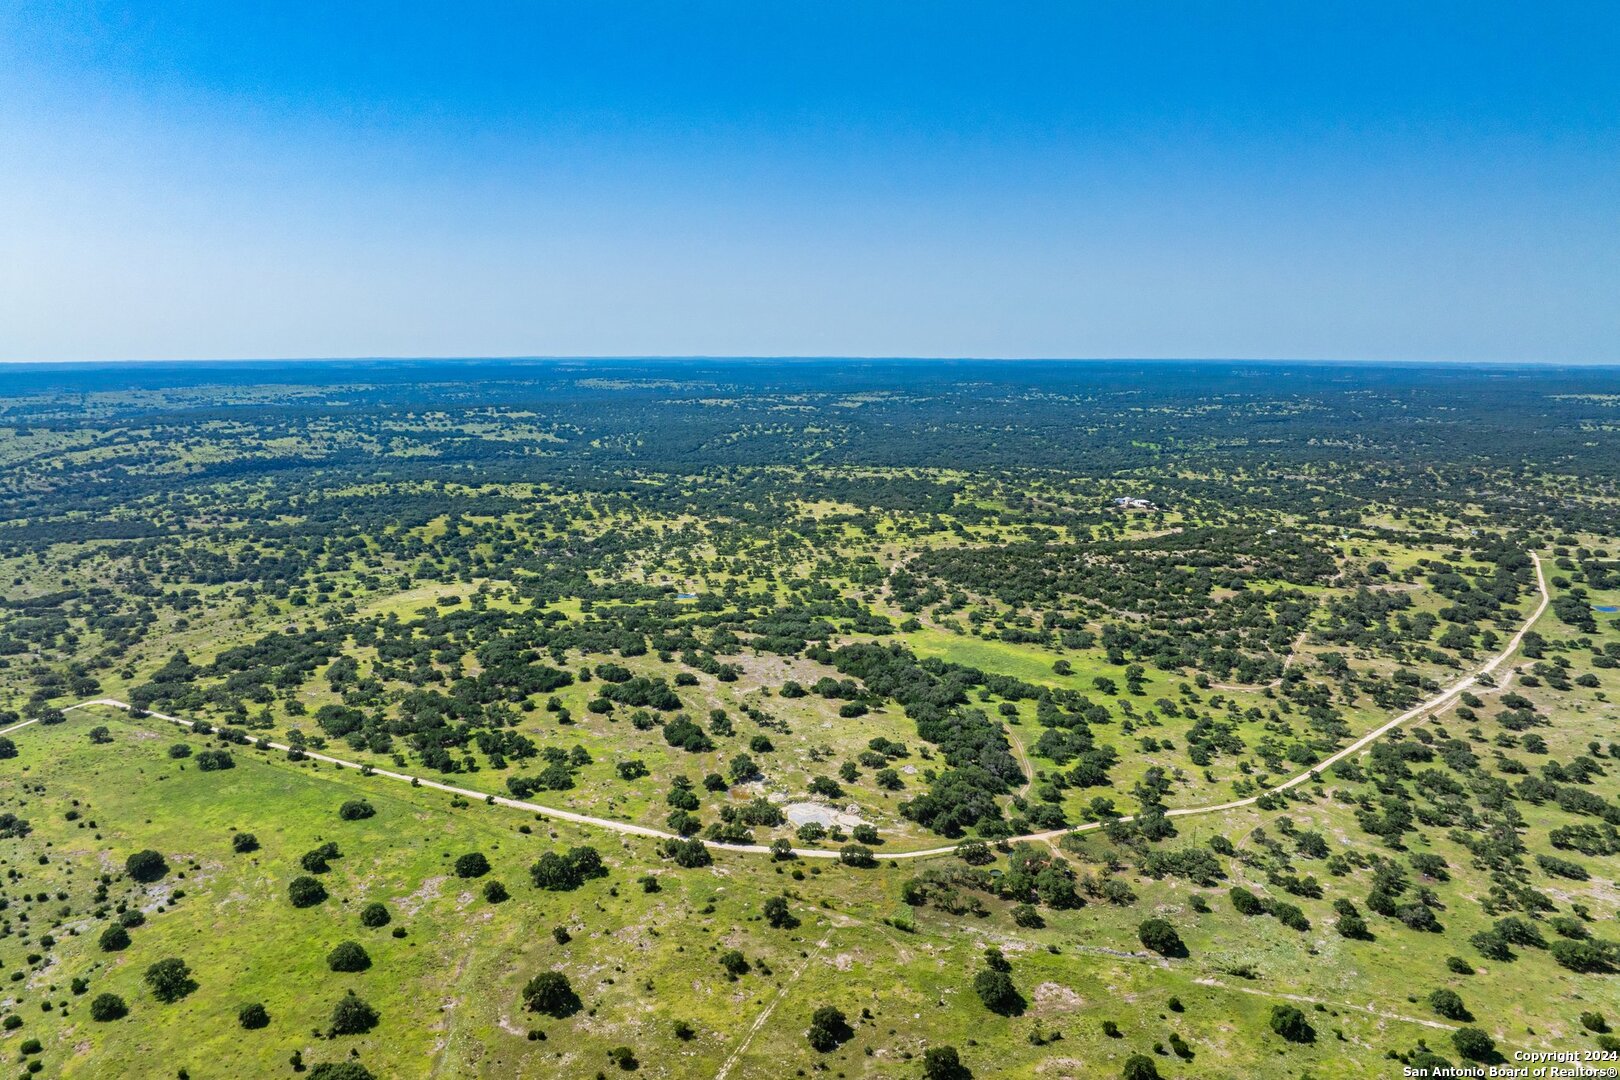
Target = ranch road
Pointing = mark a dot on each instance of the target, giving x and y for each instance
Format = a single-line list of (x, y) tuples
[(1439, 700)]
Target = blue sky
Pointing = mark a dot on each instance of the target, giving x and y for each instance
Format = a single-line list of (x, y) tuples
[(1359, 181)]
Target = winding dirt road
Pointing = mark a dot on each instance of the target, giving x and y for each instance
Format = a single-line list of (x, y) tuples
[(1443, 698)]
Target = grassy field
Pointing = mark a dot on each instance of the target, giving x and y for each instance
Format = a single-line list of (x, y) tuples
[(448, 991)]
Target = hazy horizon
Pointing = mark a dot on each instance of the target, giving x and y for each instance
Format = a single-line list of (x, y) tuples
[(788, 358), (381, 361)]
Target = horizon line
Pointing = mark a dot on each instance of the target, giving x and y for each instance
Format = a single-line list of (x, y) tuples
[(800, 358)]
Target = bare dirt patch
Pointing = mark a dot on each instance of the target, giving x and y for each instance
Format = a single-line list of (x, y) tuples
[(1055, 997), (801, 813), (429, 891)]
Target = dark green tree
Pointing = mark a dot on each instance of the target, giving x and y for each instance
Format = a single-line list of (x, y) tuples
[(170, 980), (105, 1007), (472, 865), (828, 1029), (995, 988), (1139, 1067), (550, 992), (554, 873), (777, 914), (1449, 1004), (944, 1063), (352, 1016), (348, 956), (1161, 937), (146, 866), (1291, 1024), (304, 891), (1473, 1044), (340, 1070)]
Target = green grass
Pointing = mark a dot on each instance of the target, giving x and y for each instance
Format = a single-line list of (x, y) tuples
[(448, 991)]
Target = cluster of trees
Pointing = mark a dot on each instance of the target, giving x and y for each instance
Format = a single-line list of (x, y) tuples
[(566, 871), (933, 694)]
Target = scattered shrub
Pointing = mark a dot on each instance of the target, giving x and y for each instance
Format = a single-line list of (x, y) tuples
[(995, 989), (105, 1007), (828, 1029), (340, 1070), (170, 980), (304, 891), (146, 866), (352, 1016), (1161, 937), (1449, 1004), (215, 760), (472, 865), (777, 914), (944, 1063), (348, 956), (314, 861), (1473, 1043), (1028, 917), (1139, 1067), (550, 992), (1291, 1024)]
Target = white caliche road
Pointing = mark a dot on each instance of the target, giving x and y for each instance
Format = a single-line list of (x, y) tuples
[(1440, 700), (1443, 698)]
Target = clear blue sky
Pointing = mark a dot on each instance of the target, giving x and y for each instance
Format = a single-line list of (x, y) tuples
[(1402, 181)]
